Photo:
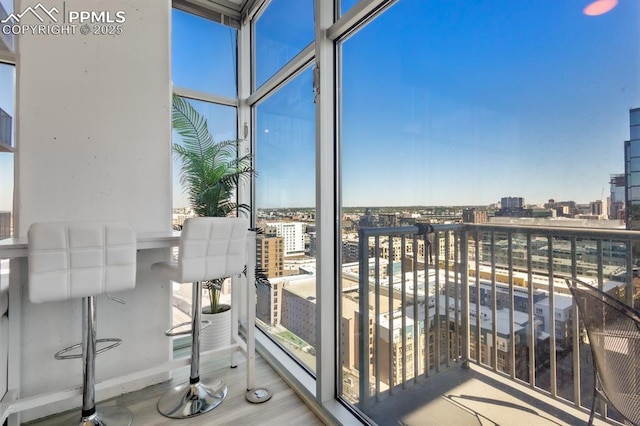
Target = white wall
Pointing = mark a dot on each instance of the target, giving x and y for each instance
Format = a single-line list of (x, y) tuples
[(93, 120), (93, 143)]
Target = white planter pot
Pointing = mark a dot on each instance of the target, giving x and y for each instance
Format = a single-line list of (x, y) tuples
[(218, 334)]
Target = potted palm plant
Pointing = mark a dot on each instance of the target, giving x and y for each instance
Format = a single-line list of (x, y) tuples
[(210, 172)]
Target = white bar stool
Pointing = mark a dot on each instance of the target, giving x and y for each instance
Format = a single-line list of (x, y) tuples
[(210, 248), (82, 260)]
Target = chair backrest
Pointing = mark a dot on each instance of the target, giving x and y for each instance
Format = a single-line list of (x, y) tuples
[(614, 336), (73, 260), (212, 247)]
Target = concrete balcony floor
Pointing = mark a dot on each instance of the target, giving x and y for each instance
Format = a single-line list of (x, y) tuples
[(474, 396)]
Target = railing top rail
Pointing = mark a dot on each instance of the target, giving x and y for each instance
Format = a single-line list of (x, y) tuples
[(404, 230), (561, 231), (398, 230), (554, 231)]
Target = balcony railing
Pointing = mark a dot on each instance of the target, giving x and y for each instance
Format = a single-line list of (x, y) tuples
[(490, 295)]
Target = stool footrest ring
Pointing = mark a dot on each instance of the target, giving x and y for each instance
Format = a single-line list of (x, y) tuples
[(170, 331), (61, 353)]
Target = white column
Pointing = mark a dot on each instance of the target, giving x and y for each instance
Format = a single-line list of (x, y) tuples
[(326, 217)]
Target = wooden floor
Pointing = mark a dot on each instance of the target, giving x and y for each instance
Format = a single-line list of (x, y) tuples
[(284, 408)]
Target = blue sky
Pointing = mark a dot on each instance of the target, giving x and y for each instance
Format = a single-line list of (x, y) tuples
[(203, 55), (443, 102), (457, 102), (203, 59)]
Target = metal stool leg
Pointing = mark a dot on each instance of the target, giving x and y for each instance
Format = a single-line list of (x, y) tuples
[(193, 398), (90, 417)]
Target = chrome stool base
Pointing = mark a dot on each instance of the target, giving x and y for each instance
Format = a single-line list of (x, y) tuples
[(109, 416), (188, 400)]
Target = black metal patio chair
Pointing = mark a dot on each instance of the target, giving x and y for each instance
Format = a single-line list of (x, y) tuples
[(613, 329)]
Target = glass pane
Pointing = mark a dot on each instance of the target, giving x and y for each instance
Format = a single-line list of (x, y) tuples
[(445, 98), (634, 192), (634, 146), (7, 126), (345, 5), (204, 55), (285, 201), (282, 31), (221, 122)]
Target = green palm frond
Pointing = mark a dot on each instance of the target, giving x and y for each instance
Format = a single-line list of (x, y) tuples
[(191, 125), (210, 171)]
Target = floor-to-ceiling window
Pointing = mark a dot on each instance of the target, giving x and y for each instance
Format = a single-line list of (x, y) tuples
[(285, 182), (285, 202), (204, 73), (442, 106), (451, 105)]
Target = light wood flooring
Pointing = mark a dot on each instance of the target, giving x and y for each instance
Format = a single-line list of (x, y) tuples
[(284, 408)]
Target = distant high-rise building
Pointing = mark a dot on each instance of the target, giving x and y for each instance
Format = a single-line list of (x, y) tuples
[(632, 171), (595, 208), (5, 225), (512, 202), (292, 234), (617, 184), (474, 216), (269, 302), (513, 207), (270, 255), (312, 245), (389, 220), (368, 220), (563, 208), (5, 131)]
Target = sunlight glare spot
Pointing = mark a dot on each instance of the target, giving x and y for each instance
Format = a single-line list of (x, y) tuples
[(600, 7)]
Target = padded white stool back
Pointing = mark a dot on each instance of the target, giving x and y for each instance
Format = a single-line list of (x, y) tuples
[(75, 260), (210, 248)]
